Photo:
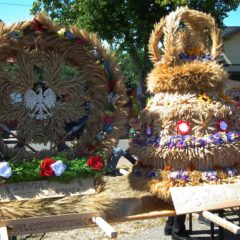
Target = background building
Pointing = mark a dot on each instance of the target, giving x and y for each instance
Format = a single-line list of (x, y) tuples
[(231, 51)]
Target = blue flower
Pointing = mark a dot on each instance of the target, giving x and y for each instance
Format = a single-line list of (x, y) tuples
[(183, 56), (58, 167), (209, 175), (137, 172), (69, 35), (5, 170), (151, 174), (107, 128)]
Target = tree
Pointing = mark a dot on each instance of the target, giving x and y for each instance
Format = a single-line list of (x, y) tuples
[(126, 24)]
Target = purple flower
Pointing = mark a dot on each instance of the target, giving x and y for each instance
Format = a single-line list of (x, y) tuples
[(184, 175), (183, 56), (151, 174), (202, 142), (209, 175), (231, 172), (181, 144), (174, 175), (137, 172)]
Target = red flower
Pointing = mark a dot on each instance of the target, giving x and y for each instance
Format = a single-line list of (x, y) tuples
[(183, 127), (95, 162), (38, 26), (168, 168), (111, 85), (107, 119), (46, 170)]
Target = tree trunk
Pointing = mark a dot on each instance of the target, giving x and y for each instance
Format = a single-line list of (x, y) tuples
[(141, 73)]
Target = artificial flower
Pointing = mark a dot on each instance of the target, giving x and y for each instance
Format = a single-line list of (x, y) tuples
[(222, 125), (111, 85), (81, 41), (58, 167), (107, 128), (183, 127), (38, 26), (108, 119), (46, 169), (15, 34), (112, 98), (69, 35), (5, 170), (16, 97), (209, 175), (61, 32), (168, 168), (204, 98), (11, 60), (149, 130), (95, 162)]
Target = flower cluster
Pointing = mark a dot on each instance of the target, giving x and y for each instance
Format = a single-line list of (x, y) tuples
[(187, 175), (187, 141), (95, 162), (50, 168), (210, 175), (186, 57)]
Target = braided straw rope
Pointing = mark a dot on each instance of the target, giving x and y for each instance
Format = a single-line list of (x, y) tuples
[(49, 50), (169, 27)]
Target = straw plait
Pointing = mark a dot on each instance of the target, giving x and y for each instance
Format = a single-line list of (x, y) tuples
[(169, 27)]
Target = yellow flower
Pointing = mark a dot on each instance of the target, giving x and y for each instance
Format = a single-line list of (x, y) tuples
[(204, 98), (61, 32)]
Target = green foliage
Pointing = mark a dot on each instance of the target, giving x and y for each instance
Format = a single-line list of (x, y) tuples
[(218, 9), (130, 77), (126, 24), (122, 23), (30, 170)]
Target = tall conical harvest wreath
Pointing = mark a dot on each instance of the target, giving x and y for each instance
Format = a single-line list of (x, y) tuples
[(190, 128), (58, 87)]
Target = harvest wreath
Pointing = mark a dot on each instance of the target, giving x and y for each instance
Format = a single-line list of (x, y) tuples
[(61, 89), (190, 128)]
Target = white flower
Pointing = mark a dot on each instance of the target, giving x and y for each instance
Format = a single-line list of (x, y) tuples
[(112, 98), (58, 167), (5, 170)]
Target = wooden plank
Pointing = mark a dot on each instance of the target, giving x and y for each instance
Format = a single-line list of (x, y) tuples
[(45, 189), (148, 215), (142, 208), (34, 225), (105, 227), (207, 197), (3, 233), (221, 222)]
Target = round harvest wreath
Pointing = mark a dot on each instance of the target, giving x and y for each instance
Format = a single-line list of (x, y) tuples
[(59, 88)]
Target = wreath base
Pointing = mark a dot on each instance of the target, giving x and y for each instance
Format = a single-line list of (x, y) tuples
[(46, 189)]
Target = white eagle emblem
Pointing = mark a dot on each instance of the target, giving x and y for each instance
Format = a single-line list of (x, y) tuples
[(40, 102)]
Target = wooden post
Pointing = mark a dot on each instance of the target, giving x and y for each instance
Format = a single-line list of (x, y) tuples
[(212, 230), (3, 233), (221, 222), (105, 227)]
